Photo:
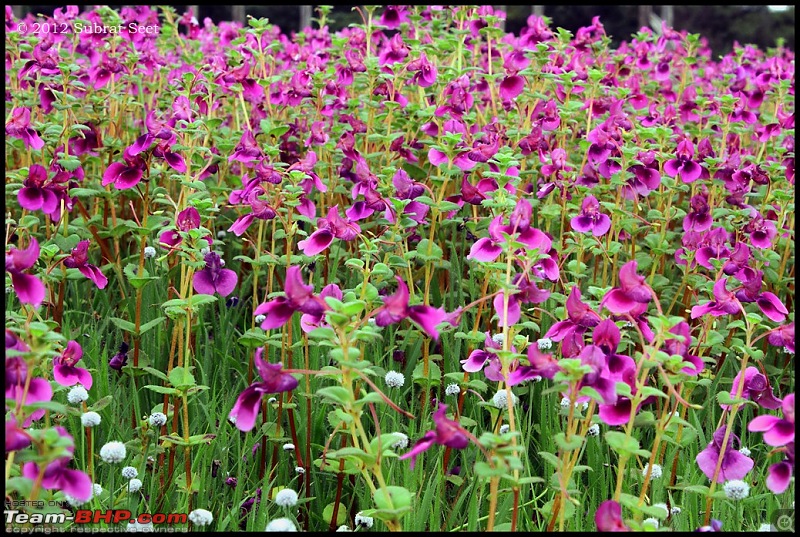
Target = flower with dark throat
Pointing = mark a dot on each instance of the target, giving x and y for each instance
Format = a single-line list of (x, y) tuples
[(213, 278), (446, 433), (248, 404)]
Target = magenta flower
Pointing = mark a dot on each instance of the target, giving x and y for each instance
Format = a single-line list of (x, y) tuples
[(29, 289), (65, 372), (425, 72), (34, 195), (591, 219), (248, 404), (19, 126), (608, 517), (680, 346), (127, 174), (395, 308), (756, 388), (57, 475), (16, 438), (699, 218), (580, 317), (632, 290), (447, 433), (310, 321), (393, 16), (769, 303), (682, 165), (726, 302), (489, 249), (187, 219), (782, 336), (762, 232), (780, 474), (334, 226), (78, 259), (479, 358), (298, 297), (511, 87), (777, 431), (734, 464), (39, 389), (213, 278)]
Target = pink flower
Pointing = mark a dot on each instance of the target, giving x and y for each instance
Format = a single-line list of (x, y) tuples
[(632, 290), (65, 372), (78, 259), (608, 517), (591, 219), (734, 464), (213, 278), (29, 289), (298, 297), (447, 433), (395, 308), (248, 404)]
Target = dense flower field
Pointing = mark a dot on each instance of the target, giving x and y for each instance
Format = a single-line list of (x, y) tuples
[(418, 274)]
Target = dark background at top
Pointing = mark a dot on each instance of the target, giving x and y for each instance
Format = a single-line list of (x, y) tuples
[(721, 25)]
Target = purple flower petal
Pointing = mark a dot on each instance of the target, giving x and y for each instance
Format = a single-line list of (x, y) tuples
[(427, 317), (779, 476), (246, 408), (484, 250), (226, 282), (317, 242), (511, 86), (29, 289)]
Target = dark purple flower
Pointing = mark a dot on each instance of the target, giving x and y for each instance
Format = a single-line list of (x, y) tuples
[(725, 302), (511, 87), (683, 165), (65, 372), (699, 218), (782, 336), (334, 226), (35, 194), (591, 219), (38, 389), (447, 433), (118, 361), (425, 72), (608, 517), (734, 464), (78, 259), (680, 346), (19, 126), (762, 232), (310, 321), (756, 388), (395, 308), (777, 431), (124, 175), (248, 404), (29, 289), (580, 317), (213, 278), (716, 525), (632, 290), (16, 437), (393, 16), (298, 297)]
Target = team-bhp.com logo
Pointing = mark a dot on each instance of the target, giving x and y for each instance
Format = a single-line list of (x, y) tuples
[(96, 516)]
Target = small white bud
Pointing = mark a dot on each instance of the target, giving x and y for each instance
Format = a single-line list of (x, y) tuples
[(113, 452), (365, 521), (272, 401), (402, 443), (97, 489), (129, 472), (299, 470), (286, 498), (201, 517), (594, 430), (500, 399), (344, 528), (90, 419), (736, 489), (653, 522), (504, 428), (675, 510), (281, 524), (134, 485), (498, 338), (149, 252), (77, 395), (157, 419), (288, 447), (655, 473), (221, 234), (544, 343), (744, 451), (260, 318), (394, 379), (452, 389)]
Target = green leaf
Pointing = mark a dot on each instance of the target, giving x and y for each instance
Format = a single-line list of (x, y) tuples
[(621, 443), (434, 374), (574, 443), (156, 373), (338, 394), (181, 378), (124, 325), (146, 327), (162, 389)]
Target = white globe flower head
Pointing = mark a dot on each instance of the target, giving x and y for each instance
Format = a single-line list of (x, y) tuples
[(288, 447), (366, 521), (736, 489), (395, 379), (260, 318), (281, 524), (201, 517), (500, 399), (97, 489), (299, 470), (402, 443), (134, 485), (90, 419), (221, 234), (77, 395), (137, 527), (504, 428), (113, 452), (564, 402), (75, 502), (149, 252), (675, 510), (157, 419), (344, 528), (653, 522), (286, 498), (594, 430), (129, 472), (204, 250), (452, 389), (272, 401), (765, 527), (655, 473), (544, 343), (498, 338), (744, 451)]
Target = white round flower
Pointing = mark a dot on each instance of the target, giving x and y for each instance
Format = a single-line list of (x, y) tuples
[(655, 473), (90, 419), (504, 428), (260, 318), (650, 522), (97, 489), (286, 498), (736, 489), (452, 389), (149, 252), (344, 528), (544, 343), (232, 419), (300, 470), (564, 402), (402, 443), (675, 510), (662, 506), (498, 338), (221, 234), (594, 430), (77, 395), (365, 521), (113, 452), (75, 502), (744, 451), (288, 447), (134, 485), (500, 399), (584, 406), (394, 379), (281, 524), (157, 419), (137, 527), (201, 517), (204, 250), (765, 527), (129, 472), (272, 401)]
